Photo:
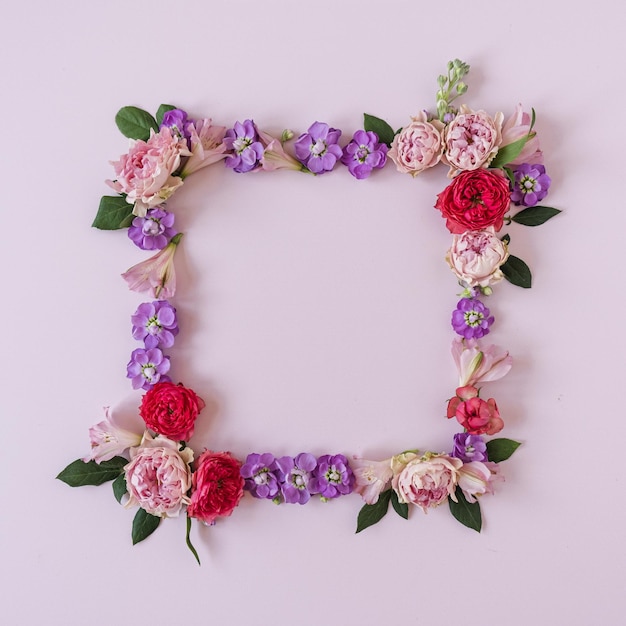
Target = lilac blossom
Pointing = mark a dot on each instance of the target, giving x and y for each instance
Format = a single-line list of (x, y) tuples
[(262, 475), (364, 153), (318, 148), (155, 324), (177, 120), (147, 367), (531, 184), (243, 141), (154, 231), (469, 448), (333, 477), (297, 476), (471, 318)]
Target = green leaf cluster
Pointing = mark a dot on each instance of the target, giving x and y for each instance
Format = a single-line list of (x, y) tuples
[(380, 127), (371, 514), (81, 473)]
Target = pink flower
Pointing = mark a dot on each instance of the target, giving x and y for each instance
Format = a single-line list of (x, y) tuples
[(372, 477), (477, 416), (471, 140), (156, 274), (476, 256), (428, 481), (418, 146), (109, 440), (274, 155), (145, 172), (516, 127), (477, 364), (158, 476), (207, 145), (476, 478)]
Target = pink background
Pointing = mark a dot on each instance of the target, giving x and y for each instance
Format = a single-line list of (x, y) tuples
[(314, 313)]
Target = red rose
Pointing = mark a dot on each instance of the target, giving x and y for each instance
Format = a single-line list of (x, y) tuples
[(217, 486), (475, 200), (474, 414), (171, 410)]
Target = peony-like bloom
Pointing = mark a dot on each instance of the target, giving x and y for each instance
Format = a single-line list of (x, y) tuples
[(476, 478), (474, 201), (428, 480), (372, 478), (262, 475), (469, 448), (155, 324), (472, 140), (318, 148), (145, 172), (109, 440), (476, 256), (147, 367), (154, 230), (297, 473), (171, 410), (417, 146), (207, 145), (516, 127), (479, 364), (217, 486), (245, 149), (531, 184), (332, 477), (156, 274), (274, 155), (158, 476), (364, 153), (473, 413), (471, 319)]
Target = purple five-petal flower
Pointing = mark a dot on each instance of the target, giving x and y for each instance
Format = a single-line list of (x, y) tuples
[(177, 120), (469, 448), (333, 477), (364, 153), (246, 150), (155, 324), (318, 148), (154, 231), (262, 475), (471, 318), (147, 367), (297, 476), (531, 184)]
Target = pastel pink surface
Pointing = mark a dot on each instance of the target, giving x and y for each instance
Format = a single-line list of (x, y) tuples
[(313, 313)]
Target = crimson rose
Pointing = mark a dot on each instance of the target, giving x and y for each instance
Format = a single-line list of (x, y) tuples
[(475, 200), (217, 486), (171, 410)]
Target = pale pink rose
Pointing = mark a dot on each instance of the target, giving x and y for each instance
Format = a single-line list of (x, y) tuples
[(158, 476), (207, 146), (479, 364), (428, 481), (145, 172), (418, 146), (156, 274), (516, 127), (476, 478), (372, 477), (471, 140), (108, 439), (274, 156), (476, 256)]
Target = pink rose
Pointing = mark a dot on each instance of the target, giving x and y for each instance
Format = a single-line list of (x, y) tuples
[(372, 477), (477, 416), (472, 140), (476, 478), (477, 364), (428, 481), (158, 476), (476, 256), (516, 127), (145, 172), (418, 146)]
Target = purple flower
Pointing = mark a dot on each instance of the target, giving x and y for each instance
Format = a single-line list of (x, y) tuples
[(247, 150), (177, 120), (318, 149), (262, 475), (297, 476), (469, 448), (147, 367), (471, 318), (364, 153), (154, 231), (531, 184), (155, 324), (333, 477)]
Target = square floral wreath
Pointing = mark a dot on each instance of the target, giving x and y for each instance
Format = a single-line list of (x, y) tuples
[(493, 165)]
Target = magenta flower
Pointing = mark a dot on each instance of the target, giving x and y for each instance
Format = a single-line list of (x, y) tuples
[(147, 367), (154, 230), (155, 324), (364, 153), (333, 477), (318, 148), (471, 319), (531, 184)]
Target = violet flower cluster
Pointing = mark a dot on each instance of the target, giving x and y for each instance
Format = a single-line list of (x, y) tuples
[(531, 184), (153, 231), (471, 319), (246, 150), (294, 479), (364, 153), (156, 325), (318, 149)]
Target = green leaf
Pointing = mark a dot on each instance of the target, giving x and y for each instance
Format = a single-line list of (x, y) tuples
[(506, 238), (113, 213), (144, 525), (509, 174), (517, 272), (507, 153), (79, 473), (501, 449), (380, 127), (535, 215), (162, 110), (401, 508), (371, 514), (119, 488), (135, 123), (188, 539), (533, 117), (468, 513)]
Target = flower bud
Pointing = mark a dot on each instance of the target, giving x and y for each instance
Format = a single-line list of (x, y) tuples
[(286, 135)]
